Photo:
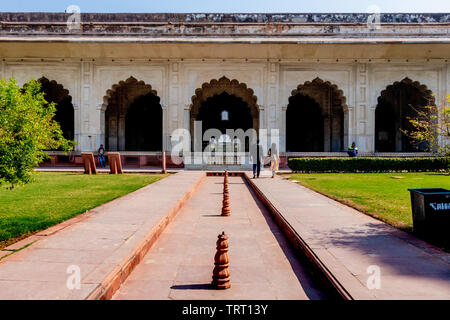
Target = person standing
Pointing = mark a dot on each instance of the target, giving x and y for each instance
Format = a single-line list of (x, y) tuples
[(274, 159), (101, 156), (256, 159)]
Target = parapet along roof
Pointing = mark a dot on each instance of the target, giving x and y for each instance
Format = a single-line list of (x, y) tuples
[(221, 27)]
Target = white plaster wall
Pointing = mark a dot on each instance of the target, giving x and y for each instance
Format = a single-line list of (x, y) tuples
[(106, 75), (271, 80)]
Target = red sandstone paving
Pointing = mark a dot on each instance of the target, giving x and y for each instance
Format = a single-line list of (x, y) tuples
[(180, 264), (97, 244), (350, 242)]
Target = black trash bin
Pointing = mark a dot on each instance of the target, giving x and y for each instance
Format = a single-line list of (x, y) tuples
[(431, 213)]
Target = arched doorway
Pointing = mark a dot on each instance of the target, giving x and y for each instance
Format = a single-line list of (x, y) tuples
[(133, 117), (225, 104), (308, 112), (55, 93), (399, 102), (225, 111), (315, 118), (143, 124)]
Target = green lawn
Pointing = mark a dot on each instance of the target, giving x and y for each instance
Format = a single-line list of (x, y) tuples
[(55, 197), (377, 194)]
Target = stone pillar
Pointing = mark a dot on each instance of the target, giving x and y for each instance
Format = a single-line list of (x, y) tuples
[(336, 136), (186, 117), (165, 128), (112, 137), (283, 129), (274, 115), (346, 128), (173, 121), (76, 126), (361, 136), (352, 126), (370, 138), (121, 130), (164, 163), (85, 129), (262, 117), (101, 135)]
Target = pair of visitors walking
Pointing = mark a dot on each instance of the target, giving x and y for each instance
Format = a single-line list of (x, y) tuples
[(256, 158)]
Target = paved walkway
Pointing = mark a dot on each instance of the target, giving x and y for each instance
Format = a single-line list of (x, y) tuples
[(180, 264), (101, 244), (349, 243)]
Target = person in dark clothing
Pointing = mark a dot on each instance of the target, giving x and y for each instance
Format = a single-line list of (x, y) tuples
[(353, 150), (101, 156), (256, 159)]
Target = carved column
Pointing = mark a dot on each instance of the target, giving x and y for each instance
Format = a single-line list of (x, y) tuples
[(85, 133), (274, 113), (283, 129), (173, 121), (165, 128), (186, 117), (361, 135), (121, 136), (101, 136)]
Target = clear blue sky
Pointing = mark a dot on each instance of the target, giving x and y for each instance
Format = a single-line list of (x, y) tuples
[(227, 5)]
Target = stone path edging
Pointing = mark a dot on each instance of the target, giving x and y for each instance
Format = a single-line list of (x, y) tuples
[(298, 242)]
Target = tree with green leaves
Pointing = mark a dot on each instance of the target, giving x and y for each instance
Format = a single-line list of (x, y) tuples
[(27, 128), (432, 126)]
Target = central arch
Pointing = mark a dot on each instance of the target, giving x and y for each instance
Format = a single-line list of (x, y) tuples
[(224, 104)]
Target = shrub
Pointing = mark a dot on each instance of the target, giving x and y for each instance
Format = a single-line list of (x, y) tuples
[(26, 129), (311, 165)]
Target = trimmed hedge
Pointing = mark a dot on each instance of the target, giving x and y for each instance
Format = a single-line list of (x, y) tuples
[(313, 165)]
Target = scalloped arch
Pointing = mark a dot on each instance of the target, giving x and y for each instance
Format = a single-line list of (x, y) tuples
[(232, 87), (319, 82), (130, 81), (423, 89), (44, 80)]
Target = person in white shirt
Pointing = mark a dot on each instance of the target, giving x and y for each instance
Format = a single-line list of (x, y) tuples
[(274, 159)]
